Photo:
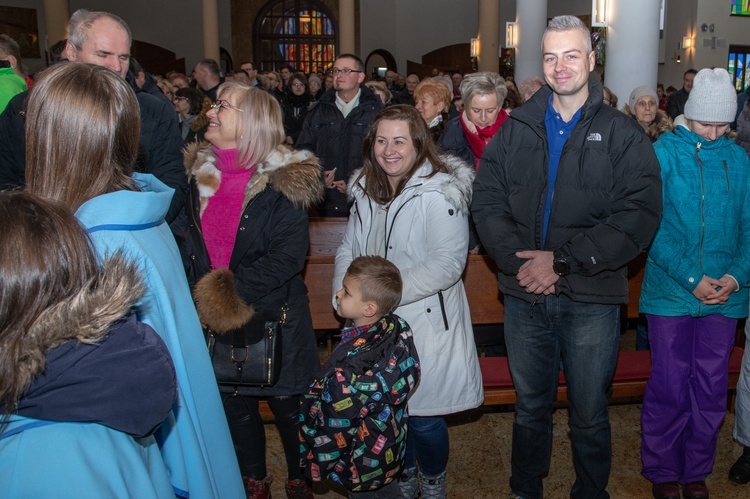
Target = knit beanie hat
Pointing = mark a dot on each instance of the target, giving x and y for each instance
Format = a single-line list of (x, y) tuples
[(639, 92), (713, 98), (314, 78)]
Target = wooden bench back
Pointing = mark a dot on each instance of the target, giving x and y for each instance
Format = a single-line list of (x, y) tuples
[(480, 279)]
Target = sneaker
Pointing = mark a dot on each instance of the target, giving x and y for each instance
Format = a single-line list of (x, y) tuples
[(257, 489), (298, 489), (433, 487), (409, 484)]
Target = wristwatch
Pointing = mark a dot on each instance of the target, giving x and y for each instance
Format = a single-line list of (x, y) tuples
[(560, 265)]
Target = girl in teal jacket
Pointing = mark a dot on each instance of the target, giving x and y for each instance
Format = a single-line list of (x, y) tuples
[(695, 288)]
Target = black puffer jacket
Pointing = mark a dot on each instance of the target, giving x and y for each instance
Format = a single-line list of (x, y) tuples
[(161, 148), (267, 259), (606, 206), (337, 141)]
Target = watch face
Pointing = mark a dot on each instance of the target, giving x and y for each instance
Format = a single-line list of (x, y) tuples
[(561, 267)]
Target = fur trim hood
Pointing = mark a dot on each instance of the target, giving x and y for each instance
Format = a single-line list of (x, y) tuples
[(455, 186), (85, 316), (662, 123), (295, 174)]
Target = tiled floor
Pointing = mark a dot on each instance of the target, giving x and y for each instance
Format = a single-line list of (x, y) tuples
[(479, 464)]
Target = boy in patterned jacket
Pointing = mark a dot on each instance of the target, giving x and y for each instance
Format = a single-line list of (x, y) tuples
[(354, 418)]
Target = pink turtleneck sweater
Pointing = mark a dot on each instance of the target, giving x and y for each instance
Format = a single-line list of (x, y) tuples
[(222, 216)]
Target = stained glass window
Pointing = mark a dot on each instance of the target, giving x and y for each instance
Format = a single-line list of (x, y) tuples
[(295, 32), (738, 66)]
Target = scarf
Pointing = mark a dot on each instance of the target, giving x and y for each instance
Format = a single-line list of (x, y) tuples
[(478, 138)]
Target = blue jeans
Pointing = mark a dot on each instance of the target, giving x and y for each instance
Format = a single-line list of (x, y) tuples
[(586, 336), (427, 444)]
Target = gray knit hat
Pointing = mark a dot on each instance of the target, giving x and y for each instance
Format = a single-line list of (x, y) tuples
[(713, 98), (639, 92)]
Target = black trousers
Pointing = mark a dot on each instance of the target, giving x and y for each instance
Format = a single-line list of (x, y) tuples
[(249, 435)]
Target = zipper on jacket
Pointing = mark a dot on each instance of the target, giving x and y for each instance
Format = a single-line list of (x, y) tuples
[(726, 173), (442, 309), (703, 215), (389, 232)]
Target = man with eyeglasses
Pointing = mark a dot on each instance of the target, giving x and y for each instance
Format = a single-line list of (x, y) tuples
[(336, 127), (252, 73)]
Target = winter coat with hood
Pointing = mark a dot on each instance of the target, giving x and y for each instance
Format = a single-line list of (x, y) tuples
[(606, 204), (337, 141), (353, 420), (267, 260), (195, 441), (98, 384), (427, 237), (705, 229)]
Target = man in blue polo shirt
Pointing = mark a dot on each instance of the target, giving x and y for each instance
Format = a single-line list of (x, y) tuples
[(566, 195)]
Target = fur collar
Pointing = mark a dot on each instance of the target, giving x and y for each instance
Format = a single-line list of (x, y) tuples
[(662, 123), (456, 188), (85, 316), (295, 174)]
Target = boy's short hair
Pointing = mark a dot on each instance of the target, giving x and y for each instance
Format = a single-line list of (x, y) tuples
[(379, 281)]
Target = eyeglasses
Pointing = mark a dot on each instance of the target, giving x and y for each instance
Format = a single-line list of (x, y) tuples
[(180, 98), (222, 104), (345, 71), (298, 85)]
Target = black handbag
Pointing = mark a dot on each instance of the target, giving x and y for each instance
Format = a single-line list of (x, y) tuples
[(249, 356)]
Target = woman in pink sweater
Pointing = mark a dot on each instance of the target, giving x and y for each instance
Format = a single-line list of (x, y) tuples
[(245, 241)]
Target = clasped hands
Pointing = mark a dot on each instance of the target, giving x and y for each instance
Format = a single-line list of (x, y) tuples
[(712, 291), (536, 274), (331, 183)]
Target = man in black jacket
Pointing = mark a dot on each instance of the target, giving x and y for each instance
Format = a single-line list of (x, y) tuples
[(104, 39), (566, 195), (336, 127), (676, 101)]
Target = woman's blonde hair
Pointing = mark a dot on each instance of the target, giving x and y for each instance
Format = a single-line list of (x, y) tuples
[(261, 129), (437, 91), (83, 129)]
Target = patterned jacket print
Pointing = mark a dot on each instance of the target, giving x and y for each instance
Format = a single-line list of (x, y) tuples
[(354, 418)]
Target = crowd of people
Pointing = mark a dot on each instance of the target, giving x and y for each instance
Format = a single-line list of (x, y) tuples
[(144, 216)]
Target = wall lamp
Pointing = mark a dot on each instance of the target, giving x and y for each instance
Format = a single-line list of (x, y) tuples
[(475, 47), (687, 42), (599, 13), (511, 34)]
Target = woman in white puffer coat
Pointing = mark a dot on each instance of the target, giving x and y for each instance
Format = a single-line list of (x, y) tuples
[(411, 206)]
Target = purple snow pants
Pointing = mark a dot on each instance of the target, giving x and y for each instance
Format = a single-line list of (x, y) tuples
[(686, 396)]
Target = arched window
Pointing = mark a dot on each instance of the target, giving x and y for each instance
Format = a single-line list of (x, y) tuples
[(295, 32)]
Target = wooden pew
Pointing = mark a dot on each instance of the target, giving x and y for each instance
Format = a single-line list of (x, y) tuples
[(485, 302)]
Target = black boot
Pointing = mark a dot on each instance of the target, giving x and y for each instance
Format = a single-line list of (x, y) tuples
[(740, 471)]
